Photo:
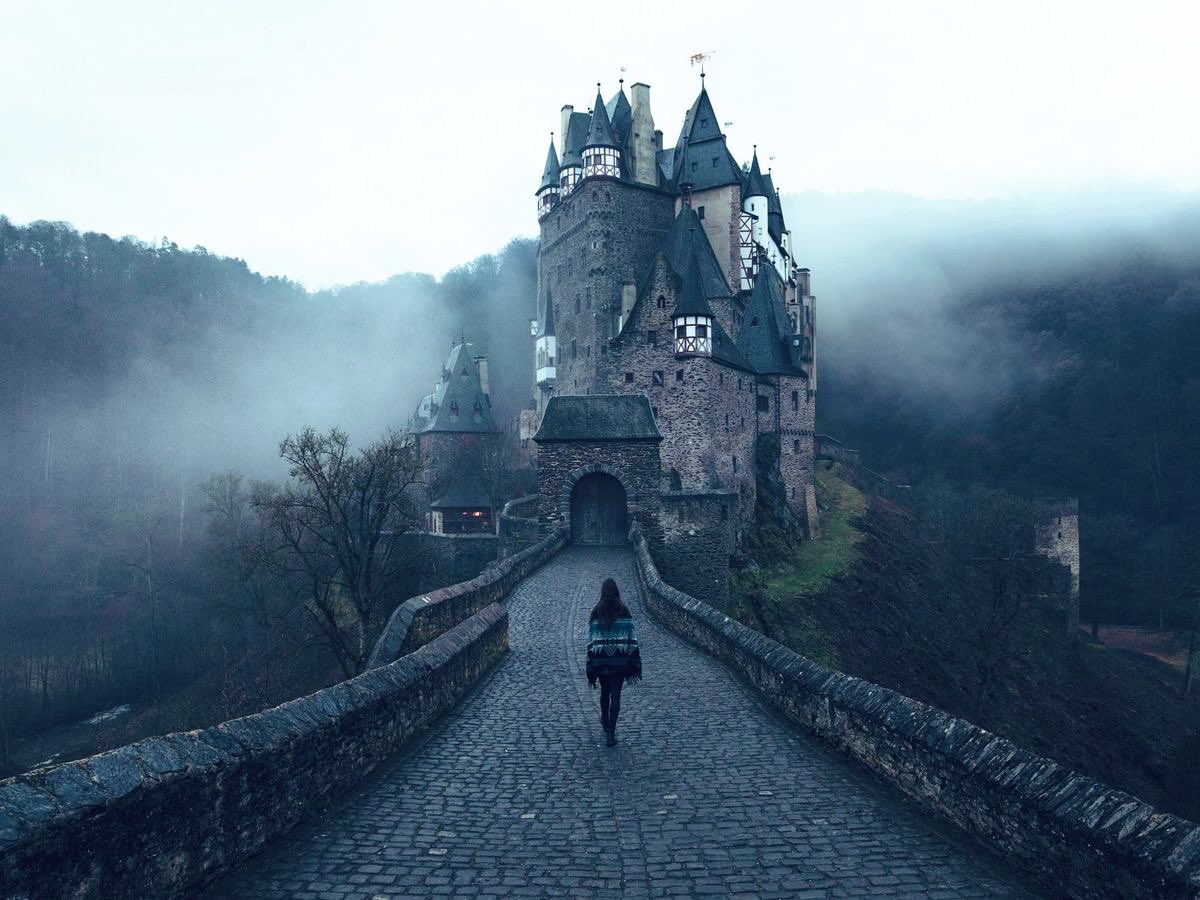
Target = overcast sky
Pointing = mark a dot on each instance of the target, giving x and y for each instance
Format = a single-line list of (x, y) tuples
[(343, 141)]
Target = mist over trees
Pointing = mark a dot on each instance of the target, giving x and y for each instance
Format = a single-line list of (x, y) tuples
[(1041, 348), (130, 375)]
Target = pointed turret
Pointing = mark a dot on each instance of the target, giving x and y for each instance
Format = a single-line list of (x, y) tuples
[(764, 339), (546, 347), (601, 156), (756, 185), (547, 192), (702, 160), (573, 139), (601, 133)]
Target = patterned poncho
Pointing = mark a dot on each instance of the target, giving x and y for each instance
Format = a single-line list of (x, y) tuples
[(613, 650)]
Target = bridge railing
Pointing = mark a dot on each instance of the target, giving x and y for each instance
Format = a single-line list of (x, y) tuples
[(161, 817), (1069, 830)]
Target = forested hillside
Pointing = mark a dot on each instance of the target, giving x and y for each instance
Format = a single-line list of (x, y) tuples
[(1095, 393), (130, 374)]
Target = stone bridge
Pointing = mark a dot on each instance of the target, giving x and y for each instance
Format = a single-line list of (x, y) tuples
[(741, 771), (514, 794)]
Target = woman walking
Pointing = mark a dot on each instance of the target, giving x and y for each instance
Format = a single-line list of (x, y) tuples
[(613, 656)]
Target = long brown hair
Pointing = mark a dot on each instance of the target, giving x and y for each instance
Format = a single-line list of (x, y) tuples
[(609, 606)]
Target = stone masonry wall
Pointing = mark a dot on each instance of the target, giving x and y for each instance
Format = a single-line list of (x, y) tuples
[(634, 463), (160, 817), (797, 418), (421, 619), (1073, 833), (600, 236), (518, 526), (699, 533)]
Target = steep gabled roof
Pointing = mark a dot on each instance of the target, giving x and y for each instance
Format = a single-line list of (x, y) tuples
[(701, 158), (692, 302), (756, 184), (686, 238), (620, 114), (550, 173), (574, 139), (598, 417), (465, 490), (459, 404), (700, 123), (546, 326), (774, 210), (763, 339), (601, 133)]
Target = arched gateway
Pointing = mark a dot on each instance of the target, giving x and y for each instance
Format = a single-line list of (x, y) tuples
[(599, 469), (599, 511)]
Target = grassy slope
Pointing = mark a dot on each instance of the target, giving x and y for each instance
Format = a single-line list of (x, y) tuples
[(872, 598)]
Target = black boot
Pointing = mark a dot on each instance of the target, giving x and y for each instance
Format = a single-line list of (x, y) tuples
[(612, 736)]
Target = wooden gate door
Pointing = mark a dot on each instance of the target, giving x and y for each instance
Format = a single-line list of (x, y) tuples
[(598, 510)]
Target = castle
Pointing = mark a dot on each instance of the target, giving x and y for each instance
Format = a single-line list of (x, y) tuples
[(668, 273)]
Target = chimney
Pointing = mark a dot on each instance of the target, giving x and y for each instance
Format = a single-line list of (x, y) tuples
[(644, 141), (566, 123), (658, 140), (481, 366)]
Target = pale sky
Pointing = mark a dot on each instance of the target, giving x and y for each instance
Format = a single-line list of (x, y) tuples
[(337, 142)]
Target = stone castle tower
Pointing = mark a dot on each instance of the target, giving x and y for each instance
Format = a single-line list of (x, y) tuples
[(668, 272)]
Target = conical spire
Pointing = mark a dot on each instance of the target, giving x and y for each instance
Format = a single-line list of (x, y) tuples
[(601, 133), (692, 301), (762, 339), (550, 174), (756, 185)]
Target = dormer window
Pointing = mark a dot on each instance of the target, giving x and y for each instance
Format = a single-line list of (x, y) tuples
[(454, 407)]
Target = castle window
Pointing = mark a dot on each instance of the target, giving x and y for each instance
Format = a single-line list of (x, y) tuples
[(735, 463), (454, 407), (700, 212), (574, 350), (679, 374), (657, 378), (795, 400), (721, 380), (629, 378), (724, 513), (796, 447), (661, 302), (764, 403), (726, 420), (694, 165), (652, 338), (654, 409), (739, 384), (743, 425), (576, 304), (588, 351), (754, 321), (716, 159)]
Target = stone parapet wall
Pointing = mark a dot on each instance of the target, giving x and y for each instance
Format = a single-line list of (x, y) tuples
[(160, 817), (519, 528), (420, 619), (1071, 832)]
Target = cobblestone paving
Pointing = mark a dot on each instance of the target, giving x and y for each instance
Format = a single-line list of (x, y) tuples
[(709, 792)]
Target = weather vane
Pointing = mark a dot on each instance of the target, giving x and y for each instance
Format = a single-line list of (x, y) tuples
[(699, 58)]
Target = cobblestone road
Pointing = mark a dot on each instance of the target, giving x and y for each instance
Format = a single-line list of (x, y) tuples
[(709, 792)]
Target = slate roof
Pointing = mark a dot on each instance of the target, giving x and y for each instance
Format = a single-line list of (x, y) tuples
[(598, 417), (764, 336), (756, 185), (458, 404), (601, 132), (701, 158), (573, 140), (775, 224), (686, 238), (546, 326), (620, 114), (465, 490), (550, 173)]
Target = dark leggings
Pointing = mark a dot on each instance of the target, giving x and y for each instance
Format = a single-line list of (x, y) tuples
[(610, 699)]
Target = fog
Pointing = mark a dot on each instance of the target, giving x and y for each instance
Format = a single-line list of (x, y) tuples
[(890, 273)]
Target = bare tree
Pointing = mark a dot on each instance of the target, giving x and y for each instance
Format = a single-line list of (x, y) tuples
[(338, 528), (494, 461), (993, 532)]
